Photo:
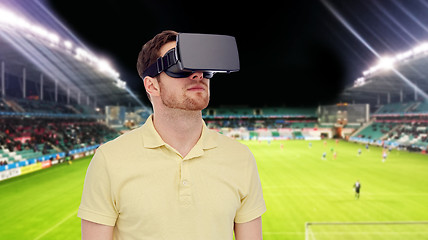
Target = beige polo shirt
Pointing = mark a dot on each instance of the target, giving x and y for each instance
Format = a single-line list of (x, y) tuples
[(147, 190)]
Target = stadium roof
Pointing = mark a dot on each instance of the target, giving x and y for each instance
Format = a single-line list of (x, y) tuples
[(30, 38), (404, 78)]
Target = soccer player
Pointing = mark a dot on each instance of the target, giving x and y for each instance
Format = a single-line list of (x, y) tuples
[(324, 154), (359, 152), (172, 178), (384, 155), (357, 187)]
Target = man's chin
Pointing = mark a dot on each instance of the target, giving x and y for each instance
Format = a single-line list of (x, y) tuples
[(197, 103), (189, 105), (197, 106)]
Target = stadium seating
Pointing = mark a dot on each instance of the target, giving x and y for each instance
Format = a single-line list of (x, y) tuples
[(71, 127), (403, 109), (290, 112), (376, 130), (411, 134), (15, 107), (395, 108), (420, 107), (28, 138)]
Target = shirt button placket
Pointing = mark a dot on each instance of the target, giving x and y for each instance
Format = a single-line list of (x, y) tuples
[(185, 184)]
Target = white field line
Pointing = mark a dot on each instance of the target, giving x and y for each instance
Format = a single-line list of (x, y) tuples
[(56, 225), (347, 232), (283, 233), (415, 233)]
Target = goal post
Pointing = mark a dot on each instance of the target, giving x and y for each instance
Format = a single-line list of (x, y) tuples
[(366, 230)]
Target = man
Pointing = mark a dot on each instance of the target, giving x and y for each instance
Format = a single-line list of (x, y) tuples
[(172, 178), (357, 187), (384, 155)]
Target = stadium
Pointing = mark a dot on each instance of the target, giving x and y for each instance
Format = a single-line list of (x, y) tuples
[(59, 102)]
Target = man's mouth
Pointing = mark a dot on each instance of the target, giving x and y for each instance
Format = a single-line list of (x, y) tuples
[(197, 88)]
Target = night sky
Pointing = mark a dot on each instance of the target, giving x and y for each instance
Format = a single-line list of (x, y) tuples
[(295, 53)]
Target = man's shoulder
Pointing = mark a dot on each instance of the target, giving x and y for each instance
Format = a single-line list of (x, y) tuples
[(225, 142), (127, 140)]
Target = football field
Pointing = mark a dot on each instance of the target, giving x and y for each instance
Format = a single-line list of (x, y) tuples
[(298, 185)]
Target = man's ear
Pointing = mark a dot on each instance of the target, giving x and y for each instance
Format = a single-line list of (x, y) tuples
[(152, 86)]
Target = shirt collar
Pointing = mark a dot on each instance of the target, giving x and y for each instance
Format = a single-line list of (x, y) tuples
[(152, 139)]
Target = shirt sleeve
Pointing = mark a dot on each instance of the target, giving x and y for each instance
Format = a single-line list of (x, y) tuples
[(252, 204), (97, 203)]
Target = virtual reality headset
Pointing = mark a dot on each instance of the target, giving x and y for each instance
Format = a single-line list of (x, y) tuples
[(205, 53)]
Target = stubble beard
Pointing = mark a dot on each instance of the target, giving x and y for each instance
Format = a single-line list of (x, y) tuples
[(189, 102)]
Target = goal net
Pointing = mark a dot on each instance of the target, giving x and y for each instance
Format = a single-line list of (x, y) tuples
[(366, 230)]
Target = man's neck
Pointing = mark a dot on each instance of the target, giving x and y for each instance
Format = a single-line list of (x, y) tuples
[(179, 128)]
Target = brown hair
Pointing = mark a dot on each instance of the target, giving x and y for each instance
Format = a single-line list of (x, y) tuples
[(150, 51)]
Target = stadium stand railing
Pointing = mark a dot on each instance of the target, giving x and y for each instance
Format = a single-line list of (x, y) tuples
[(395, 108), (14, 107)]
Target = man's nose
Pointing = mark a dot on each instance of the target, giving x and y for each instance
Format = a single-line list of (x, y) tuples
[(197, 76)]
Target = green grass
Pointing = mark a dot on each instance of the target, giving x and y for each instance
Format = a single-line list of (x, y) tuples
[(43, 204), (298, 187)]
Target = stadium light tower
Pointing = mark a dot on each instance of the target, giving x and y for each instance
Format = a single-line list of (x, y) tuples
[(13, 22), (33, 31), (384, 62)]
